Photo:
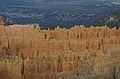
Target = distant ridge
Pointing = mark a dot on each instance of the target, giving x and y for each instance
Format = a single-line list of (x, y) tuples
[(7, 20), (111, 20)]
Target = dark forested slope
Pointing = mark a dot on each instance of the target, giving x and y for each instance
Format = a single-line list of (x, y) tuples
[(7, 20), (111, 20)]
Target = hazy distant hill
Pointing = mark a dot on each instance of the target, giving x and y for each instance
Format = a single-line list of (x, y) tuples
[(111, 20), (7, 20), (10, 1), (52, 13)]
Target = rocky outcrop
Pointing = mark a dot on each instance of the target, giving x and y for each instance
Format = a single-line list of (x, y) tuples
[(27, 52), (1, 21)]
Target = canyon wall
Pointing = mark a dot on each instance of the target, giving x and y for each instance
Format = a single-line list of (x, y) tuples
[(27, 52)]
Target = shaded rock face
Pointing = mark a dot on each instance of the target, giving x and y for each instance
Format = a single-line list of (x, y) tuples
[(27, 52)]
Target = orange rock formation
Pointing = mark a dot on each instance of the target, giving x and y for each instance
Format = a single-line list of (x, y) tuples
[(1, 21), (27, 52)]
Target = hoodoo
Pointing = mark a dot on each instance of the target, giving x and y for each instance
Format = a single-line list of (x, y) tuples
[(27, 52), (1, 21)]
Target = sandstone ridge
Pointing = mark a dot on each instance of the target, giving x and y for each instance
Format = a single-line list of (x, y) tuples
[(27, 52)]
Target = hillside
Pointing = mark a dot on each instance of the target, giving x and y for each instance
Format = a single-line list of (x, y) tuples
[(52, 13), (7, 20), (111, 20)]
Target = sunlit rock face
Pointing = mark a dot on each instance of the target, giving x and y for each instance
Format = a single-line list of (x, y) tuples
[(27, 52)]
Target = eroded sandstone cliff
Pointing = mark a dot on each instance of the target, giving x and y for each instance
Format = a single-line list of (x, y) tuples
[(1, 21), (27, 52)]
